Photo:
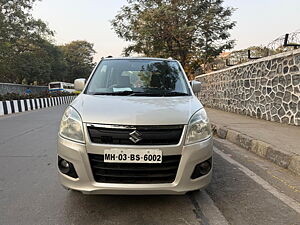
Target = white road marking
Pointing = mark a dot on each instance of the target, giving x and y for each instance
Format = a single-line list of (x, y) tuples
[(268, 187), (209, 209)]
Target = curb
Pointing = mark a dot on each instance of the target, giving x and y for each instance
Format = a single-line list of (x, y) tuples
[(16, 106), (265, 150)]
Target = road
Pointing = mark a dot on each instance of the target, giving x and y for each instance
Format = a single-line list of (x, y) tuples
[(245, 189)]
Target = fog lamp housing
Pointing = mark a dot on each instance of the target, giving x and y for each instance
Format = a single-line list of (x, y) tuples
[(202, 169), (66, 167)]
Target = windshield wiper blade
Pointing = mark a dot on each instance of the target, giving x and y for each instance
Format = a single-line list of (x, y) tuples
[(155, 94), (136, 93), (102, 93), (145, 94), (117, 93), (175, 93)]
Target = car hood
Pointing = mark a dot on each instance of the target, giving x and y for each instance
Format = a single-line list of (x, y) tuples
[(136, 110)]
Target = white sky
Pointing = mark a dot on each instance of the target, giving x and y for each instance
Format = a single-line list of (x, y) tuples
[(258, 21)]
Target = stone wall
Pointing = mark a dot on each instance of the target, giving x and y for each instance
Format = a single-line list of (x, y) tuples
[(267, 88), (20, 89)]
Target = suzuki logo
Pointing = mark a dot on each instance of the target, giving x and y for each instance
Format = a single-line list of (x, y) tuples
[(135, 136)]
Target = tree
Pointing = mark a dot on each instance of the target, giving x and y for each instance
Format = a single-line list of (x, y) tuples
[(79, 59), (27, 54), (17, 22), (192, 31), (19, 33), (43, 63)]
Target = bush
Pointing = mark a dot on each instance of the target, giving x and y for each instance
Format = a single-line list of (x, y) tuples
[(14, 96)]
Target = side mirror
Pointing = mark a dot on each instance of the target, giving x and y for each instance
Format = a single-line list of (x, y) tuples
[(196, 86), (79, 84)]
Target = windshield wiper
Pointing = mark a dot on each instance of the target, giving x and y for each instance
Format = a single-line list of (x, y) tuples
[(137, 93), (118, 93), (174, 93), (158, 94)]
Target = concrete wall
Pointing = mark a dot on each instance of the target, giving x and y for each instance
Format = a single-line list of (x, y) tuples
[(267, 88), (20, 89)]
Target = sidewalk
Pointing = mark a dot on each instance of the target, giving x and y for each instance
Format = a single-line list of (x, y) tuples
[(276, 142)]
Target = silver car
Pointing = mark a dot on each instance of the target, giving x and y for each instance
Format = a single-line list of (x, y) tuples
[(136, 128)]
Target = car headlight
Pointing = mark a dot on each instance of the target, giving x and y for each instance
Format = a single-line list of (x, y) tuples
[(71, 125), (199, 128)]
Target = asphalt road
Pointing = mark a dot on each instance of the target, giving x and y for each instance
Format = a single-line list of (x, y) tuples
[(245, 189)]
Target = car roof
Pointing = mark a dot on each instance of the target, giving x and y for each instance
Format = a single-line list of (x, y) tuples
[(138, 58)]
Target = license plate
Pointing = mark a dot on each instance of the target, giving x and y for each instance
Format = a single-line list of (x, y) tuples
[(132, 156)]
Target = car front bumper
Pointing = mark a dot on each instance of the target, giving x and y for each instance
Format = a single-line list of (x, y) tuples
[(191, 155)]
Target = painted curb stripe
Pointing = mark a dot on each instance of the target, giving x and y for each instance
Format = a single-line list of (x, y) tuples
[(15, 106), (25, 105), (19, 106), (31, 104), (28, 104), (12, 106), (22, 105), (35, 104), (5, 108), (1, 108), (8, 107), (44, 102), (15, 102)]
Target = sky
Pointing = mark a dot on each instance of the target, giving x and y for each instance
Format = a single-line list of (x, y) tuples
[(258, 22)]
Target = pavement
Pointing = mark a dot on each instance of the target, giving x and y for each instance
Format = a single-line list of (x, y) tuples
[(279, 143), (245, 189)]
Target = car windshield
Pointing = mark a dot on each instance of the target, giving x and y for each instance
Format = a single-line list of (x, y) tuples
[(138, 78)]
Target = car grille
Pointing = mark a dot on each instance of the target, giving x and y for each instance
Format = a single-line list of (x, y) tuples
[(149, 135), (134, 173)]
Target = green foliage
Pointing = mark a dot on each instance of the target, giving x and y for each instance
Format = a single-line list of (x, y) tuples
[(20, 36), (194, 32), (16, 23), (27, 54), (79, 59)]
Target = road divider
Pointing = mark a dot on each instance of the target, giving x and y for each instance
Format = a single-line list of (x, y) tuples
[(16, 106)]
